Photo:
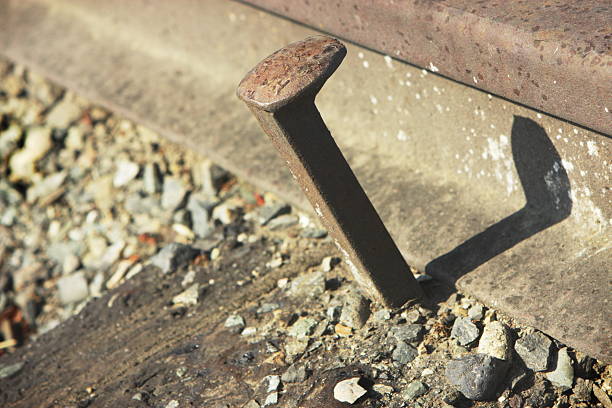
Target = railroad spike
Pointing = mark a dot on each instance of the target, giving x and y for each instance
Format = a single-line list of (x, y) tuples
[(281, 91)]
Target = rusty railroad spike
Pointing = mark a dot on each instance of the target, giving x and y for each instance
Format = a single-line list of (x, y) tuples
[(280, 91)]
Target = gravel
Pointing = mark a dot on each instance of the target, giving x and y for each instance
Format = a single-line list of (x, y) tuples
[(89, 199)]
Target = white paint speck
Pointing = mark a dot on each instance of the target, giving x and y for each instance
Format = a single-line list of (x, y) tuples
[(388, 61), (569, 166), (402, 136), (592, 148)]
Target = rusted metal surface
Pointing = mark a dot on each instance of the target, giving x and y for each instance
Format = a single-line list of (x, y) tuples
[(280, 91), (444, 164), (553, 55)]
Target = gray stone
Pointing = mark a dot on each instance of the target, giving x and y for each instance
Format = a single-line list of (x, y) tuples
[(408, 333), (72, 288), (333, 313), (152, 178), (63, 114), (308, 284), (189, 297), (304, 327), (464, 331), (172, 256), (200, 207), (267, 308), (295, 373), (349, 390), (534, 349), (563, 374), (268, 212), (135, 204), (476, 312), (414, 390), (495, 341), (355, 311), (173, 194), (583, 389), (295, 346), (126, 172), (10, 370), (477, 376), (282, 222), (314, 233), (210, 177), (404, 353), (235, 321), (382, 315)]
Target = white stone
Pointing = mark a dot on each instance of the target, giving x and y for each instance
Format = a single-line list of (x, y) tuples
[(37, 143), (495, 341), (126, 172), (349, 390), (189, 297), (72, 288)]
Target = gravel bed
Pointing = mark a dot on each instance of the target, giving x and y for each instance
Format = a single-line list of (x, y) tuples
[(88, 200)]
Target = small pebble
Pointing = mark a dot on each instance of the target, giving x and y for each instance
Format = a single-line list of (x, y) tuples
[(349, 390), (72, 288), (563, 374), (534, 349), (295, 374), (329, 262), (464, 331), (414, 390), (189, 297), (495, 341)]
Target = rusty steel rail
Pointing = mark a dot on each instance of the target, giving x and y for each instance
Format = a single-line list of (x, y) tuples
[(553, 56)]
